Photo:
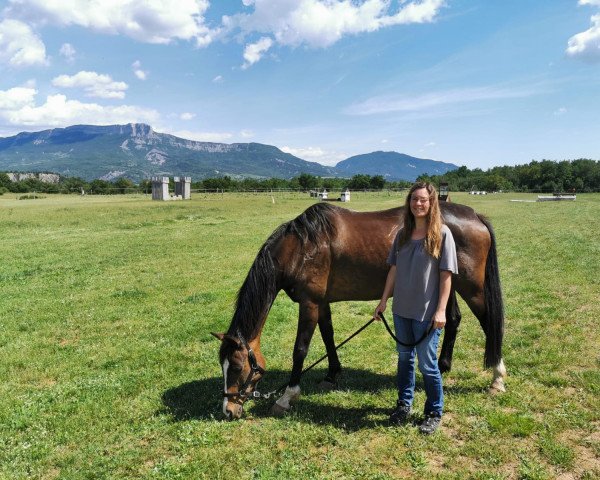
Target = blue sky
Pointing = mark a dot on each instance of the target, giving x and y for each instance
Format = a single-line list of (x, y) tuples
[(473, 82)]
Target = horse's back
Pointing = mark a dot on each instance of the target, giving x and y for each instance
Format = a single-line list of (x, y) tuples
[(349, 262), (359, 252), (361, 246)]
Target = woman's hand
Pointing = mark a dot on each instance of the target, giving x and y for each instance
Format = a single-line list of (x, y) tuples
[(379, 309), (439, 319), (387, 292)]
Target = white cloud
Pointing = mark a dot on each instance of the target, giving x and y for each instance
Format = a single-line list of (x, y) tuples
[(150, 21), (315, 154), (16, 98), (137, 70), (247, 133), (187, 116), (94, 84), (254, 51), (68, 52), (19, 45), (560, 111), (218, 79), (321, 23), (217, 137), (58, 111), (427, 146), (405, 103), (595, 3), (586, 45)]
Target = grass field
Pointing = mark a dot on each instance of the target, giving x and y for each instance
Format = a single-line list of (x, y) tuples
[(108, 370)]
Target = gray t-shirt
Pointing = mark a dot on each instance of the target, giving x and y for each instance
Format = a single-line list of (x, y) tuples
[(417, 287)]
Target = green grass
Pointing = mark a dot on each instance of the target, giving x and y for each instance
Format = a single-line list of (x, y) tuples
[(108, 368)]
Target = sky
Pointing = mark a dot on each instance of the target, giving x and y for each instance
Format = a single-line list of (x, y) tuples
[(479, 83)]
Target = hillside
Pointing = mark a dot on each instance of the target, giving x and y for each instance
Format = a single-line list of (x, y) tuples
[(392, 165), (136, 151)]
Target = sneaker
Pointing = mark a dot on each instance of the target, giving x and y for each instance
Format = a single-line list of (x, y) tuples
[(430, 424), (400, 414)]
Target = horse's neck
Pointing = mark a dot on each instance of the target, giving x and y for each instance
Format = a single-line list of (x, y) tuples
[(251, 331), (257, 294), (255, 343)]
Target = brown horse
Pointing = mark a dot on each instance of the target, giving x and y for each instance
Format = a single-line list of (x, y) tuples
[(331, 254)]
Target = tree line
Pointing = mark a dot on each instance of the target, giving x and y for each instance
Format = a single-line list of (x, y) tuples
[(67, 185), (582, 175), (303, 181)]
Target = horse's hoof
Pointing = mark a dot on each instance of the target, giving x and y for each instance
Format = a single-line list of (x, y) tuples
[(497, 387), (444, 366), (278, 411), (327, 385)]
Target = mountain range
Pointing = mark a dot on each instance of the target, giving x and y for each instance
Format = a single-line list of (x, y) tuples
[(392, 165), (137, 152)]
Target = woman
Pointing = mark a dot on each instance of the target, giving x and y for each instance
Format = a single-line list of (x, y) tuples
[(422, 260)]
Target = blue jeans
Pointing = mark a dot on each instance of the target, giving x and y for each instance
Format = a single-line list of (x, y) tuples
[(409, 331)]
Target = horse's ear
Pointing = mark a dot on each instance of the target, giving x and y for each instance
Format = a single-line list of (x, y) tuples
[(228, 339)]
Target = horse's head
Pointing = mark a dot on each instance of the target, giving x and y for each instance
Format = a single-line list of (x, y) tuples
[(242, 369)]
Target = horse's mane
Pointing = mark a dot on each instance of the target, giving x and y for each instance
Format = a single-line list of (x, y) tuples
[(259, 290), (313, 224)]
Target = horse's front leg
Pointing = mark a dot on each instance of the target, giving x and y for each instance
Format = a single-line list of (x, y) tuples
[(307, 321), (335, 367), (453, 317)]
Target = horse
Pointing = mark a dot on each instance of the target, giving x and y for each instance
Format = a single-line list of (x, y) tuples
[(331, 254)]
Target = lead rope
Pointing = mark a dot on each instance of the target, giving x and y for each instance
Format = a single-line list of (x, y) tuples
[(257, 395), (410, 345)]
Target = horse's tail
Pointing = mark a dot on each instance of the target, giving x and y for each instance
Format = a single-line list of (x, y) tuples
[(494, 307)]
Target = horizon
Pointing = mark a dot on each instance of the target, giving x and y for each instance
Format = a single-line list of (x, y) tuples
[(478, 84)]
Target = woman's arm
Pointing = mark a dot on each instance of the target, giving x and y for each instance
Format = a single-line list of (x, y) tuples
[(439, 317), (390, 281)]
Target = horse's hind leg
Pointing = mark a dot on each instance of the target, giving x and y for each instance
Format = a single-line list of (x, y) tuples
[(335, 367), (307, 321), (477, 305), (453, 317)]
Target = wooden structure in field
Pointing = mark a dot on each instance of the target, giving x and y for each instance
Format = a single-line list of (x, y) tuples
[(444, 192), (160, 188), (557, 197)]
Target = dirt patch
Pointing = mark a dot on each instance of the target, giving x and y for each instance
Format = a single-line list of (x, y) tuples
[(451, 427), (46, 382), (586, 461), (566, 476), (51, 474)]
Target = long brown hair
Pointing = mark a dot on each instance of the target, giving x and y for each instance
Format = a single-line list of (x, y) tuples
[(433, 238)]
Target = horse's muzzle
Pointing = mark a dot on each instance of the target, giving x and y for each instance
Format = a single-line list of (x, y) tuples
[(233, 411)]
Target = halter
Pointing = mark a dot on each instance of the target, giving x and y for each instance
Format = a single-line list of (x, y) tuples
[(254, 368)]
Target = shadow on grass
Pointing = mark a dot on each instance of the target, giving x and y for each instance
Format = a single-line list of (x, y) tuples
[(201, 399)]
